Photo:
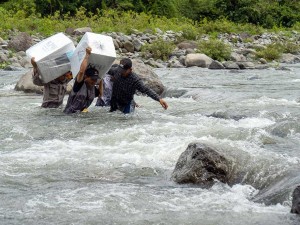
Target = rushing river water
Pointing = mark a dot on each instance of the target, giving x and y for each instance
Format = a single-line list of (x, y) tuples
[(107, 168)]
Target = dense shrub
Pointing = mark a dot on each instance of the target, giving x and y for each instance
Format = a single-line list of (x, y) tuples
[(271, 52), (159, 49), (215, 49)]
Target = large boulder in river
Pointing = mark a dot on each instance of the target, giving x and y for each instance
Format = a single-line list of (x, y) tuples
[(25, 84), (296, 201), (201, 164), (147, 75)]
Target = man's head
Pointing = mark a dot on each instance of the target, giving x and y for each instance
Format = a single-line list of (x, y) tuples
[(126, 66), (91, 76)]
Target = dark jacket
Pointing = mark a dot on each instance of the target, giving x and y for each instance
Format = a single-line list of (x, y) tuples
[(79, 99), (124, 89)]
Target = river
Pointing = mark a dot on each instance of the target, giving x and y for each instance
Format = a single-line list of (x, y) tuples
[(108, 168)]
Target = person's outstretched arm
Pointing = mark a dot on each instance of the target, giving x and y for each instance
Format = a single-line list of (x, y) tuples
[(148, 91), (163, 103), (83, 66)]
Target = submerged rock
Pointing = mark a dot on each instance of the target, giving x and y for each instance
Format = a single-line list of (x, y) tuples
[(296, 201), (201, 164)]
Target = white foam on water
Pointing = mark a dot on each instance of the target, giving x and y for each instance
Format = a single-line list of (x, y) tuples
[(8, 87), (250, 123), (272, 101)]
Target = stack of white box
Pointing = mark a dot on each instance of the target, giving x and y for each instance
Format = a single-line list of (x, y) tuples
[(102, 56), (57, 55), (52, 56)]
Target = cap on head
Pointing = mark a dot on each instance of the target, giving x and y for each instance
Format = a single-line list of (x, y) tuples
[(92, 73), (126, 63)]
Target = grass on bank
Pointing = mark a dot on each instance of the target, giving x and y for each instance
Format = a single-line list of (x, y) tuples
[(125, 22), (116, 21)]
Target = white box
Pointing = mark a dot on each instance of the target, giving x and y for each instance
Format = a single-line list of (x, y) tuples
[(52, 56), (102, 56)]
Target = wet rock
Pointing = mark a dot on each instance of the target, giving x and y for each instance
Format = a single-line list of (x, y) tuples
[(145, 72), (197, 59), (201, 164), (25, 84), (289, 58), (231, 65), (216, 65), (246, 65), (225, 115), (20, 42), (296, 201)]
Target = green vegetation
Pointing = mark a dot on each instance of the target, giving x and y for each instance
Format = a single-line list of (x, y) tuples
[(193, 17), (215, 49), (159, 49), (271, 52)]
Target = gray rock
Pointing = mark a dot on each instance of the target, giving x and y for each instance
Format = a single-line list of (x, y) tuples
[(237, 57), (231, 65), (128, 46), (116, 44), (197, 59), (289, 58), (137, 44), (246, 65), (201, 164), (147, 75), (3, 57), (216, 65), (189, 51), (20, 42), (69, 30), (25, 84), (82, 30), (187, 44)]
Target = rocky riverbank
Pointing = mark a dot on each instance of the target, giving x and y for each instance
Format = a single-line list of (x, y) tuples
[(186, 53)]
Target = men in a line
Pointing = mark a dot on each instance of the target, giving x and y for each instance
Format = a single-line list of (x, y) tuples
[(84, 90), (55, 90), (125, 84)]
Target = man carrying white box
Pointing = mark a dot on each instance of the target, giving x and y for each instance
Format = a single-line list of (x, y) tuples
[(84, 90), (55, 90)]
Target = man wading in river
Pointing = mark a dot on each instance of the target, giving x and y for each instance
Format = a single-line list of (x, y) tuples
[(84, 90), (125, 84), (55, 90)]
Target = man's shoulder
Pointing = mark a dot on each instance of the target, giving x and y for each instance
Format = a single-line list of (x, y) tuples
[(135, 76)]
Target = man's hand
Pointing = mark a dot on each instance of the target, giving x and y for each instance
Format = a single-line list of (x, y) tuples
[(163, 103), (33, 63), (88, 50)]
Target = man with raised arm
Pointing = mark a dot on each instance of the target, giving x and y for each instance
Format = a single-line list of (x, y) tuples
[(55, 90), (84, 90)]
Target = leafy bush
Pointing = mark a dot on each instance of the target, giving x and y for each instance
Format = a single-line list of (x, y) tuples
[(271, 52), (291, 47), (215, 49), (159, 49)]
